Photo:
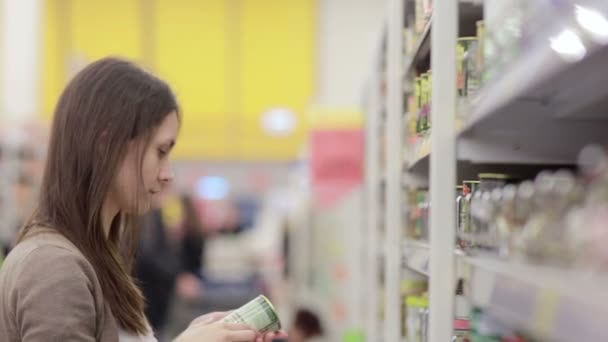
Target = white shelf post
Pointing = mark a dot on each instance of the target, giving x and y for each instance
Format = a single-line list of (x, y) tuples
[(372, 183), (394, 163), (443, 169)]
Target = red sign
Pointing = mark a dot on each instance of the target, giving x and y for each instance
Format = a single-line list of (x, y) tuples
[(337, 163)]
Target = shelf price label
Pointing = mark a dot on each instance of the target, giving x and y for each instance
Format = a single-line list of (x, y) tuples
[(546, 307)]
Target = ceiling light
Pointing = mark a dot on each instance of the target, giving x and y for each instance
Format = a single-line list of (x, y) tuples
[(279, 122), (568, 45), (594, 22)]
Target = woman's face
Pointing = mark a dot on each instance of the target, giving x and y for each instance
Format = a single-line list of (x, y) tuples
[(156, 171)]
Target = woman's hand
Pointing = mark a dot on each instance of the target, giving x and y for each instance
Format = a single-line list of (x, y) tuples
[(271, 336), (210, 317), (218, 332), (218, 316)]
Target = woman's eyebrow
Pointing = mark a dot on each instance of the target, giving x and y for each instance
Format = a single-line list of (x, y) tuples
[(170, 143)]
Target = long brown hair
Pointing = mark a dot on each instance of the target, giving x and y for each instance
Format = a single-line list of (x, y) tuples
[(108, 104)]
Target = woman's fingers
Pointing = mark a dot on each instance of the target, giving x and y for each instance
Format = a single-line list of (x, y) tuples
[(268, 337), (242, 335), (271, 336), (237, 326), (216, 316), (210, 318)]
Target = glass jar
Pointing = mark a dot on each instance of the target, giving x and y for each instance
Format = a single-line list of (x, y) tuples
[(464, 227), (417, 311)]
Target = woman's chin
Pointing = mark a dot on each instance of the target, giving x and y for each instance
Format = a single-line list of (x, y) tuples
[(137, 209), (143, 208)]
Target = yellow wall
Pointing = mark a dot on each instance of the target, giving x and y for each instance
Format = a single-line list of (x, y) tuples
[(227, 60)]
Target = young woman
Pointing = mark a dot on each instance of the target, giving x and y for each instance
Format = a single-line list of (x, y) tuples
[(69, 277)]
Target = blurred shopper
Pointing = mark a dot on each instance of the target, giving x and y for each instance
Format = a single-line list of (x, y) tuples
[(306, 327), (169, 258), (68, 278), (156, 267), (191, 252)]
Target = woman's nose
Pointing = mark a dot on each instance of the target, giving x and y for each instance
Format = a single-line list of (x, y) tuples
[(166, 174)]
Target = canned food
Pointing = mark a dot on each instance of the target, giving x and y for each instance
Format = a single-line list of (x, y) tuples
[(429, 95), (481, 36), (468, 190), (424, 90), (418, 96), (466, 65), (259, 314)]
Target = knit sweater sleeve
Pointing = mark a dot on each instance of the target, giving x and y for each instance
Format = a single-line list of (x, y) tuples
[(54, 298)]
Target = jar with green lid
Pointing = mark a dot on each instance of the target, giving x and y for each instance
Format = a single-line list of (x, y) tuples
[(481, 37), (466, 65), (459, 199), (410, 287), (429, 95), (464, 228), (424, 99), (418, 95), (417, 310)]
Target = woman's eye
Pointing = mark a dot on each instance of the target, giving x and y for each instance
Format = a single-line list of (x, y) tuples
[(162, 153)]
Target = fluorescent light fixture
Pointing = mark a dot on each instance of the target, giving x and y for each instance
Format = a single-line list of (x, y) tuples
[(212, 188), (279, 122), (569, 46), (594, 22)]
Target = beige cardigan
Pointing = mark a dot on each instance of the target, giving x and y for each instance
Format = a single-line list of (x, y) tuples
[(50, 292)]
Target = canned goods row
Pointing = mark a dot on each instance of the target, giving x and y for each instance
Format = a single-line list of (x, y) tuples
[(422, 105), (469, 64), (558, 218)]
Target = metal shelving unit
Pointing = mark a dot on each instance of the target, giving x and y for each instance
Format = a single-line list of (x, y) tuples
[(541, 110), (394, 221)]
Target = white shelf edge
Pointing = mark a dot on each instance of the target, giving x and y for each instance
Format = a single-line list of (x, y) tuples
[(548, 302), (538, 69), (416, 256), (423, 39), (418, 153)]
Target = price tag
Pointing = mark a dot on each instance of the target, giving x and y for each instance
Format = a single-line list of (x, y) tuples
[(547, 303)]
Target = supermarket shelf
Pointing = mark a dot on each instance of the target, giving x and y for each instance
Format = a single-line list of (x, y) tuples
[(422, 49), (416, 256), (475, 151), (552, 304), (542, 110), (469, 10), (418, 155)]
